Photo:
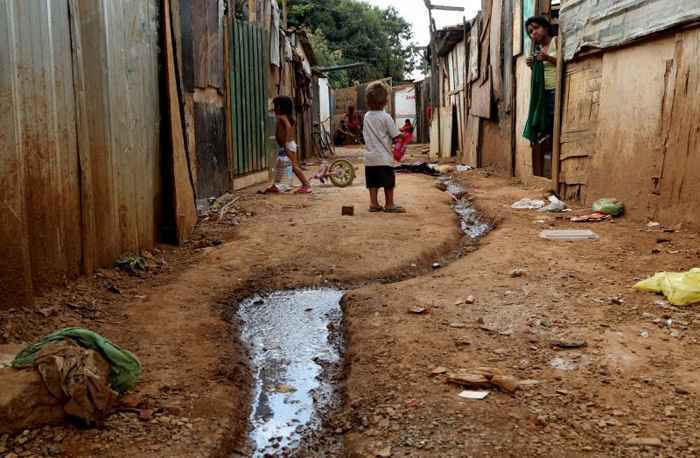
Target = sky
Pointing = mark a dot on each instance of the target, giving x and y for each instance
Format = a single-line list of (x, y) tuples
[(414, 12)]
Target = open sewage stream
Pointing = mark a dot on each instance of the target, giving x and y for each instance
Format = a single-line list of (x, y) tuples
[(295, 339)]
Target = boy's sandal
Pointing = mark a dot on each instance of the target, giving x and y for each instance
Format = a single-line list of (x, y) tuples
[(376, 209), (395, 209)]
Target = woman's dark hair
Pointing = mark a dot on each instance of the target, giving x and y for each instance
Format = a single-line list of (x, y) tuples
[(285, 106), (543, 22)]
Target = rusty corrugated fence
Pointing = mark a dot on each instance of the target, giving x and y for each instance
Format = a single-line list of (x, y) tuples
[(65, 208)]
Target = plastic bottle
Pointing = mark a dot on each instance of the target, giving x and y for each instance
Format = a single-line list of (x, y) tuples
[(283, 173), (289, 175)]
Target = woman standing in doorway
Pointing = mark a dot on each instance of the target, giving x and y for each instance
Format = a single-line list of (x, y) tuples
[(544, 50)]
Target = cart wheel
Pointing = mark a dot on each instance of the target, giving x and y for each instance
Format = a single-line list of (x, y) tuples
[(341, 173)]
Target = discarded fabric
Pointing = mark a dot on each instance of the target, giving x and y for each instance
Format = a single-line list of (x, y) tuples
[(609, 206), (555, 205), (680, 288), (125, 368), (418, 167), (528, 204), (78, 378), (591, 218)]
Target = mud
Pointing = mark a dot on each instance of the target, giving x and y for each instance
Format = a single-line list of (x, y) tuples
[(294, 339)]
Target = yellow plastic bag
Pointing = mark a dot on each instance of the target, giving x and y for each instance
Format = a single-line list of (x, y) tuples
[(680, 288)]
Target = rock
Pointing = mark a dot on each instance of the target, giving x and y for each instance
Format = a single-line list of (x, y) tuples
[(25, 402), (515, 273), (418, 311), (470, 300), (644, 442), (569, 345), (439, 370), (680, 390), (384, 453)]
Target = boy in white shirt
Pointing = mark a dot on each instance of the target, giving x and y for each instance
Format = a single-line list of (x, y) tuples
[(380, 133)]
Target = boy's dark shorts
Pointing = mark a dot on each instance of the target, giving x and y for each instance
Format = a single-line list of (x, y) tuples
[(381, 176)]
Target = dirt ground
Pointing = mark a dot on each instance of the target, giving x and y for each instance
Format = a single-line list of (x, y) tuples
[(635, 382)]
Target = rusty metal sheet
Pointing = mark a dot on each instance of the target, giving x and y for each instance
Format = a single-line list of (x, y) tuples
[(609, 23)]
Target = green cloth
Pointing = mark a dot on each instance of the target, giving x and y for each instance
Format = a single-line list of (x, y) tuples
[(537, 126), (125, 371)]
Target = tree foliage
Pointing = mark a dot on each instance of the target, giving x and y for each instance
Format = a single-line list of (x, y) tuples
[(348, 31)]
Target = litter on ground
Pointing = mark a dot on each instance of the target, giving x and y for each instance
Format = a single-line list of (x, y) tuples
[(680, 288), (568, 234), (528, 204), (475, 395)]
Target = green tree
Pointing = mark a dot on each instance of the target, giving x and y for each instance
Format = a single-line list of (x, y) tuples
[(347, 31)]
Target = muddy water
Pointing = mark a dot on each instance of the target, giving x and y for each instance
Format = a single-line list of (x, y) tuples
[(470, 222), (293, 336)]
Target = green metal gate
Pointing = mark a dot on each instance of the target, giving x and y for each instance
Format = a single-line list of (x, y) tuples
[(248, 91)]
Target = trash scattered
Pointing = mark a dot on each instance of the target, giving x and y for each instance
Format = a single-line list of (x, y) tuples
[(436, 265), (347, 210), (475, 395), (418, 311), (596, 217), (609, 206), (562, 364), (644, 333), (484, 377), (680, 288), (464, 168), (439, 370), (616, 300), (457, 325), (555, 205), (133, 265), (528, 204), (568, 234), (569, 345), (653, 224)]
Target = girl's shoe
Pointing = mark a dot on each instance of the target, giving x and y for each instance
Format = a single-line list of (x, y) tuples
[(304, 190), (395, 209)]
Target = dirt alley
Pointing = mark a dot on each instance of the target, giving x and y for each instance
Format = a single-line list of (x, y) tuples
[(623, 395)]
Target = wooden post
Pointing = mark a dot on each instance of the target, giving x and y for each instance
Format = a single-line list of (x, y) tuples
[(558, 108), (183, 189)]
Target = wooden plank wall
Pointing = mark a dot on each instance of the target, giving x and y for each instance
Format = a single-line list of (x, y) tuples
[(199, 39), (650, 160)]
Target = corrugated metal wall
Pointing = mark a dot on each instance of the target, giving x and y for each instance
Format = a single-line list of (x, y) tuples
[(52, 192)]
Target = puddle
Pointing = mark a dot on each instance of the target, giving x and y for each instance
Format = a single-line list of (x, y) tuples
[(470, 222), (294, 337)]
